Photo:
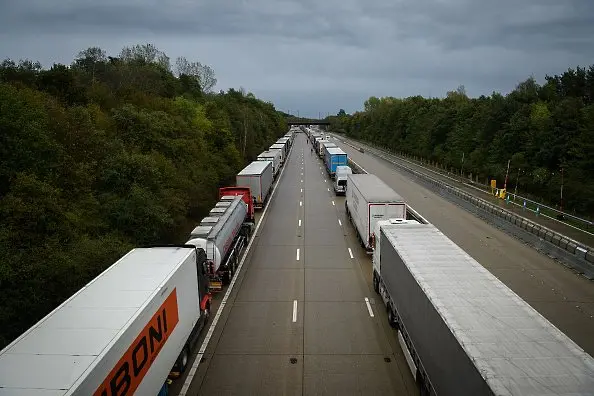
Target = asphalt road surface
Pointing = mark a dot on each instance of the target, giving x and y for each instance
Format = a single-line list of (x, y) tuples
[(297, 321), (563, 297)]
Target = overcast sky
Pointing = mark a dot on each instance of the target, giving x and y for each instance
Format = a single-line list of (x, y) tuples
[(320, 56)]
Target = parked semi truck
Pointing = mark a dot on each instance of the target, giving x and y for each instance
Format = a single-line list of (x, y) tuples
[(125, 332), (368, 200), (227, 193), (258, 177), (340, 179), (462, 330), (223, 243), (281, 147), (275, 157), (335, 157), (319, 146)]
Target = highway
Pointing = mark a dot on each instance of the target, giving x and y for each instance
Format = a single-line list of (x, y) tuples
[(563, 297), (302, 317)]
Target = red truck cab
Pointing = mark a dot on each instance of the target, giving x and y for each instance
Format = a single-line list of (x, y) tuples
[(247, 198)]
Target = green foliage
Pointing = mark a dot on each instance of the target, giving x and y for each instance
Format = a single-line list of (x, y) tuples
[(540, 128), (104, 155)]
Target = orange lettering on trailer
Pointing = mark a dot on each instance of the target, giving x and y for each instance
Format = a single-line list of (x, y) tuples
[(130, 370)]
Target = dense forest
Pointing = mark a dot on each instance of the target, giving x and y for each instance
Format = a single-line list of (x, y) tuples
[(105, 154), (542, 129)]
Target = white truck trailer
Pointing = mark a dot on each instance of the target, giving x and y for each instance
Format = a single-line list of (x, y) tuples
[(274, 156), (285, 141), (223, 242), (258, 177), (368, 200), (463, 331), (125, 332), (281, 147)]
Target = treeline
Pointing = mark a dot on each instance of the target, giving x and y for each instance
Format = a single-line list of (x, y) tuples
[(106, 154), (541, 129)]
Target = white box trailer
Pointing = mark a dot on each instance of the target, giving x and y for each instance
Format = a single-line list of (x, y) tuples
[(286, 143), (121, 333), (368, 200), (274, 156), (462, 330), (258, 177), (320, 146), (281, 148)]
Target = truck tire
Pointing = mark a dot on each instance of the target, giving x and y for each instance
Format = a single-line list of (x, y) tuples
[(183, 359), (375, 283), (391, 317)]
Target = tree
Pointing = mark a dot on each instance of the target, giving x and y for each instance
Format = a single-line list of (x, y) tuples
[(105, 155), (203, 74), (541, 128)]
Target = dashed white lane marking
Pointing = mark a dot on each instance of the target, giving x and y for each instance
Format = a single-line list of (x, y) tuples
[(351, 253), (368, 307), (328, 189), (301, 190), (299, 222), (297, 254), (333, 204), (301, 180), (300, 203), (295, 311), (339, 222), (325, 180)]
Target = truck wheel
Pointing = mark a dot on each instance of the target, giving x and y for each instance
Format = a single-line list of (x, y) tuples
[(183, 359), (375, 283), (391, 317)]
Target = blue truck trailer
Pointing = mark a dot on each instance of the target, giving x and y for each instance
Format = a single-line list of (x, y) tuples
[(335, 157)]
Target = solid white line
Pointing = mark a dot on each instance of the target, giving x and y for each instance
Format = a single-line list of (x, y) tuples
[(369, 307), (297, 254), (299, 222), (333, 204), (300, 203), (351, 253), (339, 222), (202, 350), (294, 311)]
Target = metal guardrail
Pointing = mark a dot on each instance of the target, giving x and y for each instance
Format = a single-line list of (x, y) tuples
[(582, 255)]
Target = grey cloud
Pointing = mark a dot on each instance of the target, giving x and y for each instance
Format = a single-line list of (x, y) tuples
[(322, 55)]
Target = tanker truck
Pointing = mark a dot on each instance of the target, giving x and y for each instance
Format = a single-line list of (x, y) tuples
[(228, 193), (223, 243)]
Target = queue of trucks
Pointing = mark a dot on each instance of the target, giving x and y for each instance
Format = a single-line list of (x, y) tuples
[(132, 329), (462, 330)]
